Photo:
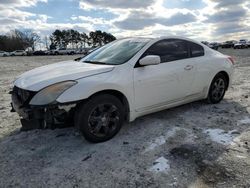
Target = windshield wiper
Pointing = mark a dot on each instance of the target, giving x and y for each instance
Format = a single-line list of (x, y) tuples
[(78, 59), (95, 62)]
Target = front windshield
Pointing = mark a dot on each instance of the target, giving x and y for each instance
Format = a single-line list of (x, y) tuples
[(117, 52)]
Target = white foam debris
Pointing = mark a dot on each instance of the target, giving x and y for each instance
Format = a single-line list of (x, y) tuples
[(160, 140), (246, 120), (160, 165), (220, 136)]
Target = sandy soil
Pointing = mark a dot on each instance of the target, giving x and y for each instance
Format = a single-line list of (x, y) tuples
[(195, 145)]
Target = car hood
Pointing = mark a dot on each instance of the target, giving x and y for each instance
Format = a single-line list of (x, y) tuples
[(41, 77)]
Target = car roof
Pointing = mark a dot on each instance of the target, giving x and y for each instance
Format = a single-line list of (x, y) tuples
[(164, 37)]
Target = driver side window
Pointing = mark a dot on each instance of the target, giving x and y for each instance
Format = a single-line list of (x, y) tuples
[(169, 50)]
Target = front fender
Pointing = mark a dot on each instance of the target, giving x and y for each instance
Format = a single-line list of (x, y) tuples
[(88, 86)]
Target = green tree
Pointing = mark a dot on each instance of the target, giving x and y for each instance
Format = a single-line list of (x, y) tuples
[(99, 38)]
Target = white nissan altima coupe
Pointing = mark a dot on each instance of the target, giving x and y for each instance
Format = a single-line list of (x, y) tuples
[(120, 81)]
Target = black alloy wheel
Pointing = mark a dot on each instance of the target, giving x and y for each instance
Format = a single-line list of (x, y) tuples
[(103, 120), (100, 118)]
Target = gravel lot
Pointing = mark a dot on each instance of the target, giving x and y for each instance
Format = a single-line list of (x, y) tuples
[(195, 145)]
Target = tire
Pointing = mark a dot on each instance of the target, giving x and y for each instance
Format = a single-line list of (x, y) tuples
[(217, 89), (100, 118)]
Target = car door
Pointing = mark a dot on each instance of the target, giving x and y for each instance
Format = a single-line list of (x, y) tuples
[(201, 64), (167, 82)]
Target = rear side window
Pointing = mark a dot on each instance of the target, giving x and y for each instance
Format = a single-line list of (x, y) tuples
[(169, 50), (196, 50)]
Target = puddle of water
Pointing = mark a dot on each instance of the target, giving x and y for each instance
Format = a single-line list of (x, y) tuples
[(219, 136), (160, 165)]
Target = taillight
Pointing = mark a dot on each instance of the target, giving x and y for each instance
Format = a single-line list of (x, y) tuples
[(231, 59)]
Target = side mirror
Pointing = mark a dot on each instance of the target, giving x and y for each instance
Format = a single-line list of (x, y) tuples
[(150, 60)]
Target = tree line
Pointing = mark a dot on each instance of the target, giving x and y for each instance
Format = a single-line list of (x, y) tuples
[(28, 39), (18, 40), (75, 39)]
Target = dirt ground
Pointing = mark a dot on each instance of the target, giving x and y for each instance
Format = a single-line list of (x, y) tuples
[(195, 145)]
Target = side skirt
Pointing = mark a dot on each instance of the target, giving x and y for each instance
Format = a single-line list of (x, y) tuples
[(167, 105)]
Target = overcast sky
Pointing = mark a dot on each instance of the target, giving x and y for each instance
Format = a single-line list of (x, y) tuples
[(215, 20)]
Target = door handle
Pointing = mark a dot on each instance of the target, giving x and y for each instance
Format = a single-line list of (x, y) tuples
[(189, 67)]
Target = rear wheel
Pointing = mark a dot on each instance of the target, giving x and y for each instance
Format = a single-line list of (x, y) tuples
[(100, 118), (217, 89)]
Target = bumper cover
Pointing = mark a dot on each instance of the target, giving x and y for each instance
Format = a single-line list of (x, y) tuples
[(43, 117)]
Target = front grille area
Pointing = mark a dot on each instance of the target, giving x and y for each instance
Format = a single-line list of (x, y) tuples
[(23, 96)]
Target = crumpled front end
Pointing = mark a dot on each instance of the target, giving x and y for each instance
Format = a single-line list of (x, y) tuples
[(40, 117)]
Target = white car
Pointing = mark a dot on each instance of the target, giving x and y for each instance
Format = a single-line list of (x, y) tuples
[(63, 51), (122, 80), (4, 54), (241, 44), (18, 53)]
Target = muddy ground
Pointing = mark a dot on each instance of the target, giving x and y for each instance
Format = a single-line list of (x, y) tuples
[(195, 145)]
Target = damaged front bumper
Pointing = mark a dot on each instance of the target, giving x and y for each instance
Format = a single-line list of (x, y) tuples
[(40, 117)]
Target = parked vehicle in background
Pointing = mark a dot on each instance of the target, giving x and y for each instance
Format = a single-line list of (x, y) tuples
[(213, 45), (29, 53), (18, 53), (241, 44), (82, 51), (122, 80), (227, 44), (248, 44), (63, 51), (205, 42), (40, 52), (4, 54)]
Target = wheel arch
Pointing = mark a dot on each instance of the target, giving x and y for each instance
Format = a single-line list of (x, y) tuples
[(224, 73), (211, 80), (119, 95)]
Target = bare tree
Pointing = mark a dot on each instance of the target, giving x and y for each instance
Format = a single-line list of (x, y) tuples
[(46, 42), (32, 38)]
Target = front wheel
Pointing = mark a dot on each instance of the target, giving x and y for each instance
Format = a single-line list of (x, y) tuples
[(100, 118), (217, 89)]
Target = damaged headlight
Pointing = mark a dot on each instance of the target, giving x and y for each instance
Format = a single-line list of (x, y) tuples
[(49, 94)]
